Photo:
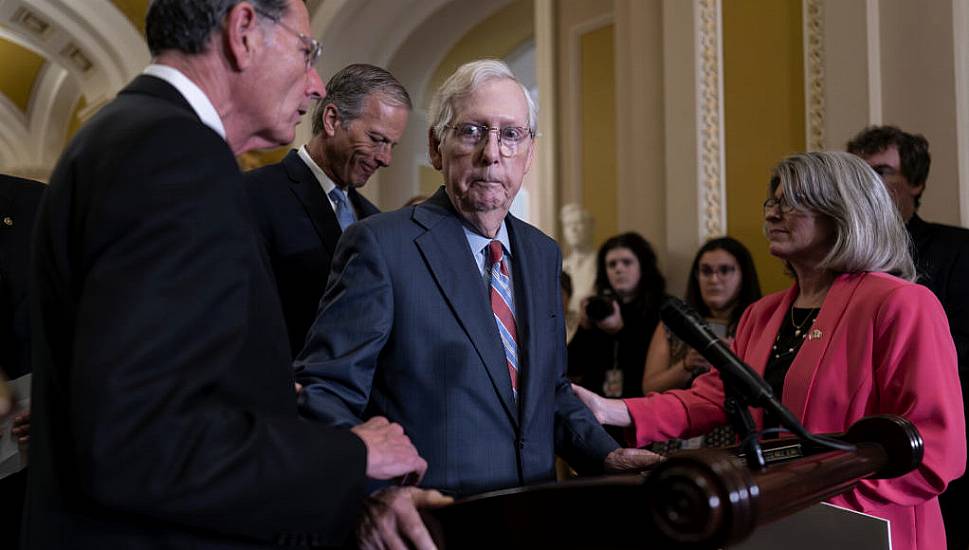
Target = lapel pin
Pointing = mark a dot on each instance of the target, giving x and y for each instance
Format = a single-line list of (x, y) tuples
[(7, 220), (815, 334)]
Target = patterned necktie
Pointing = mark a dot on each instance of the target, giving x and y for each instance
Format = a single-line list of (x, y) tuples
[(501, 306), (342, 208)]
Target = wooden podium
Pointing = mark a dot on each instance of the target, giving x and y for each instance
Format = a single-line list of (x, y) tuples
[(696, 499)]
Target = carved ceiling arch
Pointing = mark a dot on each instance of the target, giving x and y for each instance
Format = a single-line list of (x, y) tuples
[(90, 50)]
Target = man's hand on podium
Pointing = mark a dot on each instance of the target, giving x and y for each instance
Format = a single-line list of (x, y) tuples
[(631, 460), (390, 518)]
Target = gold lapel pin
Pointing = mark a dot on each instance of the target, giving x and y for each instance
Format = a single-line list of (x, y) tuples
[(815, 334)]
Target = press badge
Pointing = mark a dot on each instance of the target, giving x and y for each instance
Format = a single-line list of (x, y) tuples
[(612, 386)]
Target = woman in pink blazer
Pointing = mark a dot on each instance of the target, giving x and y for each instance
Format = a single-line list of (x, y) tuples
[(852, 337)]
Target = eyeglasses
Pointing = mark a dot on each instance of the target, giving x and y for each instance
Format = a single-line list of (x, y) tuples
[(781, 203), (509, 137), (708, 271), (312, 49)]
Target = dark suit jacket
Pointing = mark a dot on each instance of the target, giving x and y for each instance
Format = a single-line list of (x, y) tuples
[(406, 331), (300, 231), (19, 199), (163, 405), (942, 257)]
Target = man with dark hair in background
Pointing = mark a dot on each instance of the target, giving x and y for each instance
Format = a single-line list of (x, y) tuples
[(303, 204), (164, 414), (19, 199), (941, 254)]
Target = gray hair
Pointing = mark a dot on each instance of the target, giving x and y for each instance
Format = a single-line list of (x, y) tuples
[(462, 83), (869, 232), (187, 25), (347, 89)]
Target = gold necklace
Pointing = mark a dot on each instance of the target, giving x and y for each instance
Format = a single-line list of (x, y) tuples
[(778, 349), (810, 318)]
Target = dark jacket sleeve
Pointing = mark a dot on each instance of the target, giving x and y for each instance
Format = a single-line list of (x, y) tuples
[(337, 365)]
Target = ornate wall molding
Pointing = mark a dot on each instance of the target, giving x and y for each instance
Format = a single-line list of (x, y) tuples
[(710, 151), (814, 73)]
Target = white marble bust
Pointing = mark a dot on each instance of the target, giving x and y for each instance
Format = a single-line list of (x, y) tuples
[(580, 264)]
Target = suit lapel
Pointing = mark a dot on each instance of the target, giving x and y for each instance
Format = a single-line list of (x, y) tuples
[(307, 189), (363, 207), (799, 382), (445, 249), (528, 306)]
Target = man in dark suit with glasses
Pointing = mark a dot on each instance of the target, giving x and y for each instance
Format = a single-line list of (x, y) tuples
[(164, 413)]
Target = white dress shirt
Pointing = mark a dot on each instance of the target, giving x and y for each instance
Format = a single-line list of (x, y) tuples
[(191, 92)]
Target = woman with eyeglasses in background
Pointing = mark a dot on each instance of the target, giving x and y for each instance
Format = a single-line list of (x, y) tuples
[(852, 337), (722, 283)]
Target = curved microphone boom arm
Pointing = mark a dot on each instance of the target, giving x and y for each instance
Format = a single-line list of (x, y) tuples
[(742, 383)]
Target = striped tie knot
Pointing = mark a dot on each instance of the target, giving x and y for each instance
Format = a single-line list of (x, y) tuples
[(495, 255)]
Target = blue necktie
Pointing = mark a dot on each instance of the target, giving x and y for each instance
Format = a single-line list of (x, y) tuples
[(342, 208)]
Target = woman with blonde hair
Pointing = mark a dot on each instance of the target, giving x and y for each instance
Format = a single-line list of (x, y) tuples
[(853, 337)]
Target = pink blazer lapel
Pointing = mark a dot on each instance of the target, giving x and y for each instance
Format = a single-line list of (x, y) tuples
[(759, 347), (800, 380)]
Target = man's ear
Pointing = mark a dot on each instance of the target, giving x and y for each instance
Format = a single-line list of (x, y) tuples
[(434, 149), (242, 35), (331, 119)]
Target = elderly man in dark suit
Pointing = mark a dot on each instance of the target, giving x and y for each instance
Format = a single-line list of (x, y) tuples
[(941, 254), (164, 413), (447, 317), (303, 204)]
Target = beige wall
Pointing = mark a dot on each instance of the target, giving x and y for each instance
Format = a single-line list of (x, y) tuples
[(596, 133), (897, 62), (641, 121), (573, 19), (918, 91), (763, 114)]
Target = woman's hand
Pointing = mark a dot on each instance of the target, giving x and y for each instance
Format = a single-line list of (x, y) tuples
[(611, 412), (613, 323)]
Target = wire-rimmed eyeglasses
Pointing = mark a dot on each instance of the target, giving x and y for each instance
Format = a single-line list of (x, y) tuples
[(471, 135), (312, 49), (781, 204)]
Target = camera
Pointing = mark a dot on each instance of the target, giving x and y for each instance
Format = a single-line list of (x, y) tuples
[(600, 306)]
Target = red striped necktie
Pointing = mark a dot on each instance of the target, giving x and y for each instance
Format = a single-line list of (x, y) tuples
[(501, 306)]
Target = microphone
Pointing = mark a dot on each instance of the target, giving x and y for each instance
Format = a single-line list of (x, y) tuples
[(693, 330)]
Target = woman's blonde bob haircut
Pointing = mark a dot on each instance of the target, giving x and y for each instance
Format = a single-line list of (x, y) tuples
[(869, 232)]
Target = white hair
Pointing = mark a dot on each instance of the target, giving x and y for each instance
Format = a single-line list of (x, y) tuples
[(463, 82)]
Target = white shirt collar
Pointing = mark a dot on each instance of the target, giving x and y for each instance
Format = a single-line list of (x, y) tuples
[(479, 244), (191, 92), (325, 182)]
